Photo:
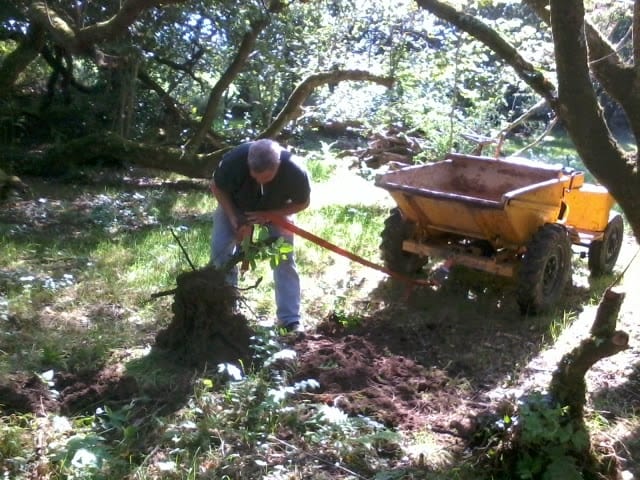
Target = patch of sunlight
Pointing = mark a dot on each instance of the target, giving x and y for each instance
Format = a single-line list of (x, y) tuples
[(346, 187), (424, 450), (193, 203), (131, 353), (536, 375), (111, 255), (617, 369), (321, 165), (11, 253), (612, 371)]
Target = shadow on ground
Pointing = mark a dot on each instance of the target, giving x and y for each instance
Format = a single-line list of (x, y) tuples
[(424, 358)]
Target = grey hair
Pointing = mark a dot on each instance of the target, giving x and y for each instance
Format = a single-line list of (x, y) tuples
[(264, 155)]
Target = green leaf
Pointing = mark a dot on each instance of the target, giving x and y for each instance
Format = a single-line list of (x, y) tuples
[(563, 467), (207, 382), (286, 248), (262, 234)]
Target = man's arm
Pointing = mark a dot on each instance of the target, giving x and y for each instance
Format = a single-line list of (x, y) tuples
[(224, 199)]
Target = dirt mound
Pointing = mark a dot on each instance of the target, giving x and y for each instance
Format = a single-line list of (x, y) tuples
[(26, 394), (205, 329), (360, 378), (86, 391), (356, 374)]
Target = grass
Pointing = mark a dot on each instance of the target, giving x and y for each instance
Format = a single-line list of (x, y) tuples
[(75, 295), (79, 290)]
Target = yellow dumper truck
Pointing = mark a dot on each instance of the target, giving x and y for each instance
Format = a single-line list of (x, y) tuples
[(511, 217)]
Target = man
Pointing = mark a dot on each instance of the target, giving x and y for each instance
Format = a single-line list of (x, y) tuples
[(252, 181)]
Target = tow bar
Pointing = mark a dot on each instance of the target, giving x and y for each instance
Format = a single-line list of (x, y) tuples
[(287, 225)]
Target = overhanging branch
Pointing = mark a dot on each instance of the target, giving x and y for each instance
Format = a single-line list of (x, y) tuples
[(83, 41), (292, 109)]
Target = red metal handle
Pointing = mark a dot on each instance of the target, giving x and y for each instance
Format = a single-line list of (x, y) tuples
[(287, 225)]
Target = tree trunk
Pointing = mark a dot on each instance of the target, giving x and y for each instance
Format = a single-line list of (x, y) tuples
[(582, 115), (575, 103), (568, 386), (15, 63), (205, 330), (112, 148)]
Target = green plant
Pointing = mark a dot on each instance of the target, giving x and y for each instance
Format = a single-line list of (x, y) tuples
[(559, 325), (540, 440), (261, 246), (82, 456), (117, 423), (14, 439), (322, 165), (342, 313)]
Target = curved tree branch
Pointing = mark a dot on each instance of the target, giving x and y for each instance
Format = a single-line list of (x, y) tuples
[(568, 384), (15, 63), (580, 109), (246, 47), (56, 64), (83, 41), (233, 70), (173, 107), (87, 37), (187, 66), (583, 117), (576, 103), (607, 66), (292, 108)]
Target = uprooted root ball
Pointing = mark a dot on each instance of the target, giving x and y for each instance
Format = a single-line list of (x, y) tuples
[(205, 329)]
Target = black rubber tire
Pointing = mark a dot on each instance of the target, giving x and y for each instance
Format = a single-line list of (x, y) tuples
[(603, 254), (545, 269), (397, 230)]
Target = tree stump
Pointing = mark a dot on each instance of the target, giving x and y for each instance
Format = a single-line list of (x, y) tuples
[(568, 386), (205, 328)]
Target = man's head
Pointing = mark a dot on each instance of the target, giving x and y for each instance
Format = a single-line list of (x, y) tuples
[(264, 160)]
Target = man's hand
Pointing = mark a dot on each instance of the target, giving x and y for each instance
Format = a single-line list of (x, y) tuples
[(243, 231), (258, 217)]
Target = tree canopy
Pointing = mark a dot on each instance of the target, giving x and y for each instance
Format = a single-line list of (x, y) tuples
[(171, 84)]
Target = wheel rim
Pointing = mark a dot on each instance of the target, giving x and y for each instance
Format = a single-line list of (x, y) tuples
[(611, 247), (551, 273)]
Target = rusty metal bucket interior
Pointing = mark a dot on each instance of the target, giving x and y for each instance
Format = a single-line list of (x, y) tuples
[(502, 201)]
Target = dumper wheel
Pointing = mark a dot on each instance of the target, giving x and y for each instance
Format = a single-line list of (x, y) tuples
[(603, 254), (545, 269), (397, 230)]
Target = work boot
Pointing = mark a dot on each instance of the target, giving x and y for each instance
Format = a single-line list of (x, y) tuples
[(293, 327)]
